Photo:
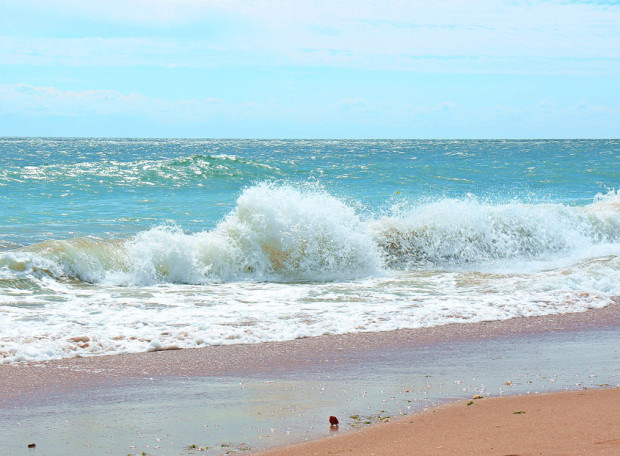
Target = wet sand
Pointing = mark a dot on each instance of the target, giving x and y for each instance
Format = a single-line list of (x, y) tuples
[(252, 397), (274, 357), (575, 423)]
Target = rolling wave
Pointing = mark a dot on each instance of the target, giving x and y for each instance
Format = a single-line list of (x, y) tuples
[(453, 232), (287, 233), (166, 172)]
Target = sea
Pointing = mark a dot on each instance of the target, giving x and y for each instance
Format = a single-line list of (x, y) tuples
[(111, 246)]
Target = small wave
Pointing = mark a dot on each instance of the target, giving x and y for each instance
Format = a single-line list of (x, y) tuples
[(287, 233), (86, 259), (166, 172)]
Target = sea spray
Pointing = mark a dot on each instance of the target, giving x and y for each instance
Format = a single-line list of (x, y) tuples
[(300, 234), (452, 232), (283, 233), (275, 233)]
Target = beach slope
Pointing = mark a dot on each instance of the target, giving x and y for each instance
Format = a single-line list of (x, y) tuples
[(569, 423)]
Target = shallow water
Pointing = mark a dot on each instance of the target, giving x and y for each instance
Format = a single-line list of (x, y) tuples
[(166, 415)]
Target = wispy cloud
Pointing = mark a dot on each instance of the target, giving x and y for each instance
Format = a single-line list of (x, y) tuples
[(197, 117), (445, 36), (51, 101), (313, 67)]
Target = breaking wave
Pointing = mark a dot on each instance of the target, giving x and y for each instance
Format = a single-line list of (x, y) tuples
[(287, 233), (453, 232)]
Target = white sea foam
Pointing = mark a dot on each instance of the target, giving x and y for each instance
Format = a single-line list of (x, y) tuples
[(276, 233), (456, 232), (293, 262), (283, 233), (90, 320)]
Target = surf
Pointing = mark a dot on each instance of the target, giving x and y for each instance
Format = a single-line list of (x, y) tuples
[(283, 232)]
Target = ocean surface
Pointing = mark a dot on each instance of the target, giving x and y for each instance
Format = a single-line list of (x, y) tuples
[(111, 246)]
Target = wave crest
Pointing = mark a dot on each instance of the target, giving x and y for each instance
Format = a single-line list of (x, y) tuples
[(164, 172), (276, 233), (287, 233), (454, 231)]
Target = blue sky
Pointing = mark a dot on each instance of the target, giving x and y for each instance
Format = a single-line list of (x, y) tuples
[(310, 69)]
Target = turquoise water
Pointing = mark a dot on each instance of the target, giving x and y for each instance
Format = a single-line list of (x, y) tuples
[(116, 245), (59, 188)]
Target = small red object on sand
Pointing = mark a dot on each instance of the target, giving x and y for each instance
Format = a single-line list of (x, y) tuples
[(333, 421)]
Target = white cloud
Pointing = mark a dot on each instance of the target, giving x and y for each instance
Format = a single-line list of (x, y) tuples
[(544, 118), (124, 11), (444, 36), (101, 51), (50, 101)]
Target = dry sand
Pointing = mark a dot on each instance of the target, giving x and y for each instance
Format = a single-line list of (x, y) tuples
[(569, 423)]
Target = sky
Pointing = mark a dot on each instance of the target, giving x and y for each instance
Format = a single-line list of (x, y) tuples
[(310, 68)]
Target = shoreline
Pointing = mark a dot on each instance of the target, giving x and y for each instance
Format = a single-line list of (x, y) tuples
[(269, 357), (566, 423), (276, 394)]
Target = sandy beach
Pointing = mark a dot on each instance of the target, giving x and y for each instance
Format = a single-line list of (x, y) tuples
[(243, 398), (568, 423), (309, 228)]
